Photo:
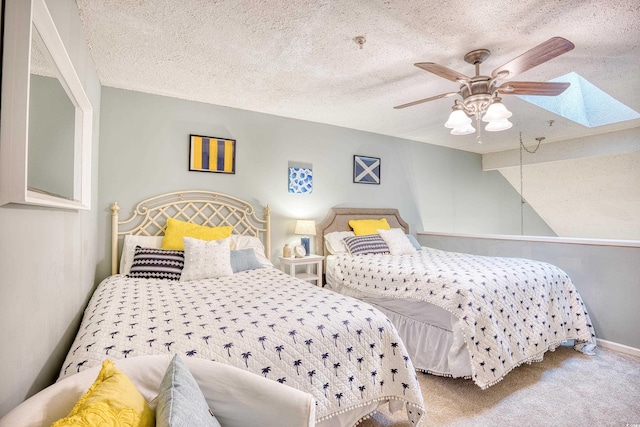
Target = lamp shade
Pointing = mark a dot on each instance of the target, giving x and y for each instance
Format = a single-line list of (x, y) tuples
[(498, 125), (496, 111), (463, 130), (305, 227), (457, 119)]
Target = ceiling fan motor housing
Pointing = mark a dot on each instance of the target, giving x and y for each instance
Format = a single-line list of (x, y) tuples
[(477, 93)]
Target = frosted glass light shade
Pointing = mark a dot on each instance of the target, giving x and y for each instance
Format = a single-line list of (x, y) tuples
[(496, 111), (498, 125), (305, 227), (457, 119), (464, 130)]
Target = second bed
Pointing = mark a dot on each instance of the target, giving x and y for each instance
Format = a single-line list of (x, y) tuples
[(459, 315)]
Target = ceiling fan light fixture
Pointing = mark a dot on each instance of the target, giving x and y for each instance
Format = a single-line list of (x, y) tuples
[(458, 119), (479, 92), (464, 130), (496, 111), (498, 125)]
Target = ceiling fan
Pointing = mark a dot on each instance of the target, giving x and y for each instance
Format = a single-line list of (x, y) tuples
[(480, 93)]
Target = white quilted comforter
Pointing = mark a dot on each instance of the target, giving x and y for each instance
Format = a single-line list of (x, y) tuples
[(512, 310), (341, 350)]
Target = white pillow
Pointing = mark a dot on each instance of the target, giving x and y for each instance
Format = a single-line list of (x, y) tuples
[(398, 242), (239, 242), (206, 259), (129, 249), (334, 241)]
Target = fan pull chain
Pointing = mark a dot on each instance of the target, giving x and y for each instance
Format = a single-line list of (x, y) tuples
[(522, 201), (478, 125)]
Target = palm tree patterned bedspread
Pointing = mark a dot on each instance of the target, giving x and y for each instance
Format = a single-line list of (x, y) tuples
[(511, 310), (339, 349)]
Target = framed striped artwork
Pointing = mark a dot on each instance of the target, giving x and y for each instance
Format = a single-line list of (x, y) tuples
[(211, 154)]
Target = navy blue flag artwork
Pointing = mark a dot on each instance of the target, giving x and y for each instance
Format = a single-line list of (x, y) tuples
[(366, 170)]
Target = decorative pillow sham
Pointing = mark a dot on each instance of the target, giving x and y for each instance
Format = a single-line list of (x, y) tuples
[(414, 242), (180, 400), (112, 400), (177, 229), (243, 260), (364, 227), (149, 263), (129, 248), (365, 245), (206, 259), (239, 242), (334, 241), (397, 242)]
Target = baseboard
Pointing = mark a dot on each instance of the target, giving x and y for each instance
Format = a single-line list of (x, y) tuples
[(620, 348)]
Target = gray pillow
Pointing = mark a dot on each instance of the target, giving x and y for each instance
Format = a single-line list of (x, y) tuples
[(414, 241), (244, 259), (180, 401)]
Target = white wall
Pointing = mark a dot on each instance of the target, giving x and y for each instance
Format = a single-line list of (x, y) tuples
[(144, 144), (47, 259)]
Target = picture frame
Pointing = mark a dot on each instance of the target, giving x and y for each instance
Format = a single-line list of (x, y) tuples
[(300, 178), (212, 154), (366, 170)]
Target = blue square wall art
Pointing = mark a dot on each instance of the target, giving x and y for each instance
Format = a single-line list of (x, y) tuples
[(366, 170), (300, 180)]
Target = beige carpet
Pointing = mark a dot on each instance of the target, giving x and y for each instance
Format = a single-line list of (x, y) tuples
[(566, 389)]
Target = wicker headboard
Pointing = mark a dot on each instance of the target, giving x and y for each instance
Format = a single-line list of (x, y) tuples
[(208, 208), (337, 219)]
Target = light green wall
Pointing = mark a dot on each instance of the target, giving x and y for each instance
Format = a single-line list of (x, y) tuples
[(47, 258), (144, 151)]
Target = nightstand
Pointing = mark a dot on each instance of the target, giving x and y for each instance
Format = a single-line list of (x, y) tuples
[(309, 261)]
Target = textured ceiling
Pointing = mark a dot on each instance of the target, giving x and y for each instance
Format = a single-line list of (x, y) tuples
[(596, 197), (299, 59)]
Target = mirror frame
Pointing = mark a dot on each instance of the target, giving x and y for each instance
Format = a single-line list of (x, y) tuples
[(20, 18)]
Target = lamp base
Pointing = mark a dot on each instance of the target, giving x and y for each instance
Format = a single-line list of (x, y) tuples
[(305, 242)]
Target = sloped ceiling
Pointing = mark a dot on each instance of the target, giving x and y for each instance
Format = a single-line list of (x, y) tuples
[(601, 194), (299, 59)]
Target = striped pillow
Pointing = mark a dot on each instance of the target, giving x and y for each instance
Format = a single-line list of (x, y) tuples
[(150, 263), (365, 245)]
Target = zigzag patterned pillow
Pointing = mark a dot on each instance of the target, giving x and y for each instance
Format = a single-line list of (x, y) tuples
[(149, 263), (365, 245)]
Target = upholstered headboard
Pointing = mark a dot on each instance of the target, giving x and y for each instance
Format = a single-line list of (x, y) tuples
[(337, 219), (208, 208)]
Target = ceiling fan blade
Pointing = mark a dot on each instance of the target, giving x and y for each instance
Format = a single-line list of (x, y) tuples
[(442, 71), (533, 88), (544, 52), (420, 101)]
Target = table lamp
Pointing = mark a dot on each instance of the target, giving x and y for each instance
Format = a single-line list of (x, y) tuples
[(306, 227)]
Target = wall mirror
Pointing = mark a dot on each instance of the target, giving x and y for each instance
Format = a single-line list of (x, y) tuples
[(45, 137)]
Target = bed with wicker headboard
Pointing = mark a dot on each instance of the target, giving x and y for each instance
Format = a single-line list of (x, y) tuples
[(247, 314), (455, 312), (208, 208)]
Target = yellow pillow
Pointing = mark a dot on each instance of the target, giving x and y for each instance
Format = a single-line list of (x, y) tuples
[(177, 229), (112, 400), (364, 227)]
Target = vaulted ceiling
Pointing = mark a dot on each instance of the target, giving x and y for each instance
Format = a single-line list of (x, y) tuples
[(300, 59)]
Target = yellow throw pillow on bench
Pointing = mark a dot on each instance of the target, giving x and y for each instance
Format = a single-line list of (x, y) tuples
[(364, 227), (112, 400), (177, 229)]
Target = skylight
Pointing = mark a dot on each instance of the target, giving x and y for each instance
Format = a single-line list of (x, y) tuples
[(584, 103)]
